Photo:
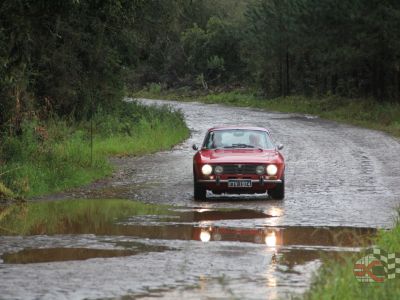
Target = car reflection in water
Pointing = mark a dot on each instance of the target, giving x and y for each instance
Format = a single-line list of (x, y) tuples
[(282, 259), (270, 237), (287, 236)]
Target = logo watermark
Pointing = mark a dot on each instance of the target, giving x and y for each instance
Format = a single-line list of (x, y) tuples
[(377, 266)]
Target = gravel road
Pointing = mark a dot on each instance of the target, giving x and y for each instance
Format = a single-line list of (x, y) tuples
[(339, 179)]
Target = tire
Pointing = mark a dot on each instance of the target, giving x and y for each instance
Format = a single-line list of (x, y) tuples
[(278, 193), (199, 191)]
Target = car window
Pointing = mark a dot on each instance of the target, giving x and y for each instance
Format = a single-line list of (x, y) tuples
[(238, 138)]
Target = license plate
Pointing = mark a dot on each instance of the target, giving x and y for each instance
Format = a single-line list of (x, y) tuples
[(245, 183)]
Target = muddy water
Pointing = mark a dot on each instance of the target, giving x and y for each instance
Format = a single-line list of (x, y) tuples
[(342, 184), (28, 256), (190, 253)]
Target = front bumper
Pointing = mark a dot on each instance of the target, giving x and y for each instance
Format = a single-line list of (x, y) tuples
[(261, 181)]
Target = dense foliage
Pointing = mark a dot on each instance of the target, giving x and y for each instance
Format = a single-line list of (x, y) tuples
[(72, 57), (55, 154), (309, 47), (58, 56), (348, 48)]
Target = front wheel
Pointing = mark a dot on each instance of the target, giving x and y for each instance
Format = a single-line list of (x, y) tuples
[(199, 191), (278, 193)]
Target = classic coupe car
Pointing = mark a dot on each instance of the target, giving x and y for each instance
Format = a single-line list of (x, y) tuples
[(238, 160)]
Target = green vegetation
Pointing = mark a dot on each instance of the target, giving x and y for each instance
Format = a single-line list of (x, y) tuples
[(363, 112), (55, 154), (70, 216), (66, 63), (63, 56), (5, 193), (299, 47), (337, 281)]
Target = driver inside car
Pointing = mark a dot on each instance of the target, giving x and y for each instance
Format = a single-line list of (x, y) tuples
[(217, 141)]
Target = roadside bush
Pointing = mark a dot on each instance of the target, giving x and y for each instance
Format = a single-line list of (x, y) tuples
[(5, 193), (154, 88), (56, 154)]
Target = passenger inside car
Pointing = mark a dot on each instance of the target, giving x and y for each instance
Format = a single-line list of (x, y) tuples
[(254, 140)]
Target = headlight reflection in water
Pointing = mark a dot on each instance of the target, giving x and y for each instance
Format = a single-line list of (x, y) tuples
[(205, 236), (270, 239)]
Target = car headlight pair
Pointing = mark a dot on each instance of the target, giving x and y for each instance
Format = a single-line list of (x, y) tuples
[(260, 170)]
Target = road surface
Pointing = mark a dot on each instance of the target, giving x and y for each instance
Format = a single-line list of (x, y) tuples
[(342, 182)]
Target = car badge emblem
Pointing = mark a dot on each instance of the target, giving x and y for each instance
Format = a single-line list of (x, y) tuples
[(239, 166)]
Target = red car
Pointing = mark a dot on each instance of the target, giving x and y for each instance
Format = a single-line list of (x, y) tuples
[(238, 160)]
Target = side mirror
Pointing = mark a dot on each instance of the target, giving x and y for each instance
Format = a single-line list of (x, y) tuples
[(279, 147), (194, 147)]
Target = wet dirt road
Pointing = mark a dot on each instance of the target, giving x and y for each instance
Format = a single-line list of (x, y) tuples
[(341, 183), (336, 175)]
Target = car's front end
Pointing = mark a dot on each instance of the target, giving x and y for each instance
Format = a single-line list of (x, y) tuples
[(239, 178), (230, 161)]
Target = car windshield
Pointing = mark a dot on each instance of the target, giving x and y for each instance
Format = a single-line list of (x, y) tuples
[(238, 138)]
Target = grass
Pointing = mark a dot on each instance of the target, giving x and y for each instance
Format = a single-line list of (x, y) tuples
[(55, 155), (70, 216), (361, 112), (5, 193), (337, 281)]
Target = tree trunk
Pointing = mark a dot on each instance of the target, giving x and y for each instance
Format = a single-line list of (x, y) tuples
[(287, 73), (17, 120), (396, 80), (281, 83)]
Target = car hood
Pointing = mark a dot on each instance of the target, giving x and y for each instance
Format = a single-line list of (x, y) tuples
[(221, 156)]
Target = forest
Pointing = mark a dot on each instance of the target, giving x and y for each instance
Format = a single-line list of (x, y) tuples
[(66, 67), (71, 58)]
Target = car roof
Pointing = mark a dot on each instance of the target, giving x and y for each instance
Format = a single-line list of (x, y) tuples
[(237, 128)]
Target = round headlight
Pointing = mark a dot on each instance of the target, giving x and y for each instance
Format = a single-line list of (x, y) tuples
[(272, 170), (260, 170), (218, 170), (206, 169)]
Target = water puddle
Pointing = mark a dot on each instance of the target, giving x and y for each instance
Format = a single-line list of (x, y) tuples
[(214, 215), (289, 236), (183, 250), (189, 216), (43, 255), (202, 225), (28, 256), (198, 224), (209, 225)]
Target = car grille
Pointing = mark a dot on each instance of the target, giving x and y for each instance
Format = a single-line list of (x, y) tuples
[(239, 169)]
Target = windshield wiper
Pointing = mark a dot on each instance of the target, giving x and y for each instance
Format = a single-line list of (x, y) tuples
[(242, 146)]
